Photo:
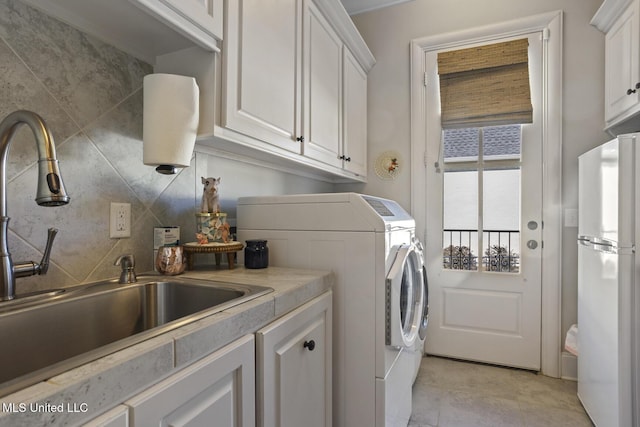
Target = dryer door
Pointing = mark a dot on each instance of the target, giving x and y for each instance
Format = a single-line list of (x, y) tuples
[(405, 297), (424, 321)]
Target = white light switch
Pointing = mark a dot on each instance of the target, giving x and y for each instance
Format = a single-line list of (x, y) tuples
[(571, 217), (120, 220)]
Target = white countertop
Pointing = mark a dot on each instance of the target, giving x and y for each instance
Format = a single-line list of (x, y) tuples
[(91, 389)]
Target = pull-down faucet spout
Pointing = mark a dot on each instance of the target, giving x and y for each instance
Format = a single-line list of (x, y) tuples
[(51, 192)]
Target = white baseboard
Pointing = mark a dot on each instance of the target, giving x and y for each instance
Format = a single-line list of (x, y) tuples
[(569, 366)]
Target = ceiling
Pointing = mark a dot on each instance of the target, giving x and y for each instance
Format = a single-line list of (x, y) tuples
[(358, 6)]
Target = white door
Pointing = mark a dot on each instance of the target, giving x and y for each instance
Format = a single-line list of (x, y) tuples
[(483, 249)]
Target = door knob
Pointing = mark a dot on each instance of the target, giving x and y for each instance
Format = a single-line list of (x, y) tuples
[(532, 244)]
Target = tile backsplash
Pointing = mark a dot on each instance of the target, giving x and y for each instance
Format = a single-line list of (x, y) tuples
[(90, 94)]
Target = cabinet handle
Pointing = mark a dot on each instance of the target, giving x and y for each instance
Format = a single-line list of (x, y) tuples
[(630, 91), (310, 345), (300, 139)]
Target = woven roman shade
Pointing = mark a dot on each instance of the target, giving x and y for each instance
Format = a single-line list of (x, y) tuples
[(485, 86)]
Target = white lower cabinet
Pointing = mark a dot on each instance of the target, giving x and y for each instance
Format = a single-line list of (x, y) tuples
[(279, 377), (217, 390), (117, 417), (294, 368)]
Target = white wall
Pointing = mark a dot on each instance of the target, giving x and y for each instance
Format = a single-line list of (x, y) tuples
[(388, 33)]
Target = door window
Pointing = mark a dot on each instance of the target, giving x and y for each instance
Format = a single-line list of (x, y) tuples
[(481, 199)]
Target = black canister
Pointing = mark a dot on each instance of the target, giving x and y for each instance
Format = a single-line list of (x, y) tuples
[(256, 254)]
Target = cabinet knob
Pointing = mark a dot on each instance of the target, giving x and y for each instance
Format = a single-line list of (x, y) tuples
[(300, 139), (638, 85), (630, 91), (310, 345), (347, 159)]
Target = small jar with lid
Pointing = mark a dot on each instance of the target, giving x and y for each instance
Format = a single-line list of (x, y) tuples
[(256, 254)]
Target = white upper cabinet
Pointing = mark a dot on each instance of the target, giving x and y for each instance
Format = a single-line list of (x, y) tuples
[(621, 64), (620, 21), (200, 20), (281, 82), (286, 89), (261, 58), (143, 28), (322, 88), (354, 143)]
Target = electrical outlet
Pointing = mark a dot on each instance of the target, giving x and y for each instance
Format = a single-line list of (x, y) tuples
[(120, 220)]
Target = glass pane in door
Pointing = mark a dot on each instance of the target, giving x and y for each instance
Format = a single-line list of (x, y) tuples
[(481, 222), (501, 142), (501, 220), (501, 153), (460, 231)]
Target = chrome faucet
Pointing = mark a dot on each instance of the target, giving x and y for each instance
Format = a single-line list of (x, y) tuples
[(128, 274), (50, 192)]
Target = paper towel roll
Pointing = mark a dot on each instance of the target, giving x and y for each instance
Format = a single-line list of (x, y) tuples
[(170, 122)]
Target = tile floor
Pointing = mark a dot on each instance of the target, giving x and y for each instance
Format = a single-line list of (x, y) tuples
[(450, 393)]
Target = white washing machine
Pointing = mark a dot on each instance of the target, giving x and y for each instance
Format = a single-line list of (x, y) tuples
[(380, 292)]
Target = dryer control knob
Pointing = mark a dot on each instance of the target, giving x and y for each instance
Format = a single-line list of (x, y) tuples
[(310, 345)]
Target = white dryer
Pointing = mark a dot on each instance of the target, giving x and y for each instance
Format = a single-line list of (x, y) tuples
[(380, 292)]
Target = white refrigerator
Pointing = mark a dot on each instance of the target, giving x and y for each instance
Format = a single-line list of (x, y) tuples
[(607, 294)]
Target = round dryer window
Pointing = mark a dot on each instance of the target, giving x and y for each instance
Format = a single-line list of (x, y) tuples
[(405, 297)]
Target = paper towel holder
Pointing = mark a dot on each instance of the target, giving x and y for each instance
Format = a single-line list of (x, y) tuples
[(170, 121), (167, 169)]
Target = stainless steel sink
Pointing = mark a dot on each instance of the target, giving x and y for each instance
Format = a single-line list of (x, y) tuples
[(44, 337)]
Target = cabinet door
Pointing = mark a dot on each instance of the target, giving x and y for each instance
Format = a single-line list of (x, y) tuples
[(217, 390), (355, 115), (262, 63), (200, 20), (294, 368), (117, 417), (322, 88), (205, 14), (622, 58)]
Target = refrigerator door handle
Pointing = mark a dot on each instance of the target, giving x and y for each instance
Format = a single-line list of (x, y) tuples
[(604, 247), (584, 241)]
